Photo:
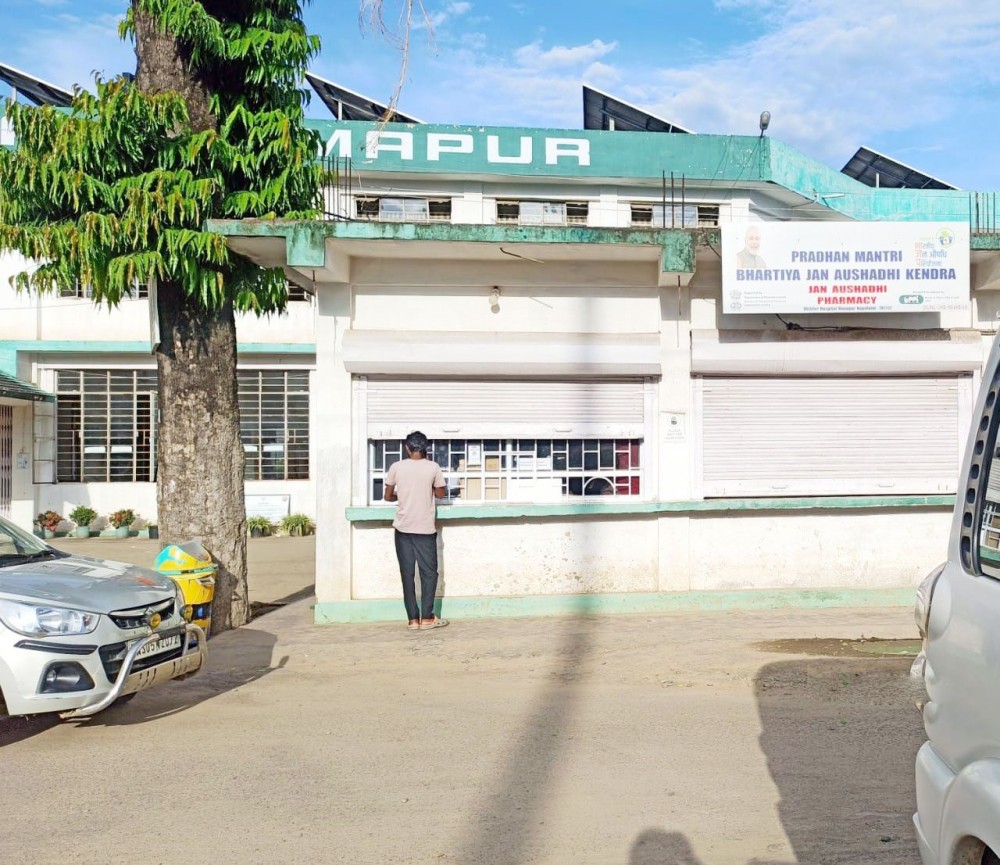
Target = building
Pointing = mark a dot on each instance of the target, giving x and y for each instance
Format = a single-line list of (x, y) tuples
[(632, 410)]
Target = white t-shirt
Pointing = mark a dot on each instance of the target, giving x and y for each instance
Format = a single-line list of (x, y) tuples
[(415, 481)]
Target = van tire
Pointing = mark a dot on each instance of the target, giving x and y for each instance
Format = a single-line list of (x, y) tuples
[(990, 858)]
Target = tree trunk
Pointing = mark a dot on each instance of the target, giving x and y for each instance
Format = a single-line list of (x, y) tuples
[(200, 457), (199, 453)]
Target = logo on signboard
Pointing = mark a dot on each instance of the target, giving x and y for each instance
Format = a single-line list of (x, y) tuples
[(911, 298), (946, 237)]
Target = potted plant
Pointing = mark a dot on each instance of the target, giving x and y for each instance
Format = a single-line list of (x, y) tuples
[(122, 521), (48, 522), (83, 516), (297, 524), (259, 527)]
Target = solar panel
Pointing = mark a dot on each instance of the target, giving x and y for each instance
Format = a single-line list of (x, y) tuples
[(38, 91), (876, 169), (601, 111), (345, 104)]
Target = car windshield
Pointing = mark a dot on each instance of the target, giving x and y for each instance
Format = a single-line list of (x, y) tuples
[(16, 544)]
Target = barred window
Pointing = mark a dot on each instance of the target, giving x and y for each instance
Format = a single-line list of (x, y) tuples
[(106, 425), (274, 423), (296, 292), (675, 215), (403, 209), (137, 291), (521, 469), (542, 212)]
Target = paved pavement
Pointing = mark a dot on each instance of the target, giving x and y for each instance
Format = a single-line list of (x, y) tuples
[(670, 739)]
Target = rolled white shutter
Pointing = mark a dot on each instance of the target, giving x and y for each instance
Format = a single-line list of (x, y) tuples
[(836, 436), (446, 408)]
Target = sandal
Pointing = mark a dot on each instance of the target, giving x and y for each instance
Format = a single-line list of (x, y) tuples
[(413, 624), (427, 624)]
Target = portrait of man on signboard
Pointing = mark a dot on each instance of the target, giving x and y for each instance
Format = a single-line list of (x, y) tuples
[(749, 256)]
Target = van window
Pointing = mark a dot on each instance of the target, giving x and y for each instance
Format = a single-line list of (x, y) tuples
[(979, 541)]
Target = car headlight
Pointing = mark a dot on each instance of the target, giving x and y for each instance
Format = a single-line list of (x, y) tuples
[(34, 620)]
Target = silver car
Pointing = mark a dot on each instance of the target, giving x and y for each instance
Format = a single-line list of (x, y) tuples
[(78, 633)]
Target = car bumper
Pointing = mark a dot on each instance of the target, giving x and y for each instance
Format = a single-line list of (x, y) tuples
[(933, 780), (22, 693)]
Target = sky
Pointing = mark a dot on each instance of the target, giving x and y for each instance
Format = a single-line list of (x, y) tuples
[(914, 79)]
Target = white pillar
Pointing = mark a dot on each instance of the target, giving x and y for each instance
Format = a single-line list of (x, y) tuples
[(332, 430)]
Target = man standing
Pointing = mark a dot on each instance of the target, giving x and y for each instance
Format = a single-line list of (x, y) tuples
[(415, 483)]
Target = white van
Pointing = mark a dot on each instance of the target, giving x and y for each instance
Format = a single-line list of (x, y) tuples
[(958, 613)]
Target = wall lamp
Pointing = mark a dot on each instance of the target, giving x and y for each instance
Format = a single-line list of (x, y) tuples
[(495, 298)]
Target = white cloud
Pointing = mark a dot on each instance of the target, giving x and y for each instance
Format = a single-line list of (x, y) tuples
[(69, 52), (831, 78), (436, 20), (561, 55)]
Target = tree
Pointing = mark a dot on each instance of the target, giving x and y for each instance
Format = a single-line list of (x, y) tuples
[(116, 191)]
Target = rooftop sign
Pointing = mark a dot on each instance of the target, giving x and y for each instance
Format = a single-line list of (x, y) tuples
[(443, 149)]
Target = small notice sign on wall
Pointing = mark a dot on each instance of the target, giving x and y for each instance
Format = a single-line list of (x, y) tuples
[(274, 507)]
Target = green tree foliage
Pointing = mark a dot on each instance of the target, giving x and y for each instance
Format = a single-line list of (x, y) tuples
[(116, 189)]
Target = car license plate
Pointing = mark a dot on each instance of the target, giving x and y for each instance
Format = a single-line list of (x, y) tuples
[(155, 648)]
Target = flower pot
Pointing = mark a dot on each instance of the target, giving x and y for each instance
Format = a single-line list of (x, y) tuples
[(83, 531), (121, 532), (256, 533), (48, 533), (154, 532)]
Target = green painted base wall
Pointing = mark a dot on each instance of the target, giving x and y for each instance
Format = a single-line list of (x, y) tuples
[(388, 610)]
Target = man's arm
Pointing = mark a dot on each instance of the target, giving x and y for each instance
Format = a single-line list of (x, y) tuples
[(390, 493), (439, 492)]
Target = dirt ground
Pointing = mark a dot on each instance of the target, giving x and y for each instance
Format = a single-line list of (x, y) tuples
[(280, 569), (669, 739)]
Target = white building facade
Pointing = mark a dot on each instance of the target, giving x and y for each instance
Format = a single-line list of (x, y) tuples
[(622, 422)]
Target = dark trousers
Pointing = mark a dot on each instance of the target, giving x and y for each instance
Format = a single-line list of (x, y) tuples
[(418, 551)]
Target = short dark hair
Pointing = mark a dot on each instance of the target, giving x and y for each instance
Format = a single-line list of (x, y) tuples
[(416, 441)]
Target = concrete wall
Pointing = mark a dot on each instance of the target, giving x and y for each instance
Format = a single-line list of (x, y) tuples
[(485, 557), (67, 319), (725, 552), (141, 497)]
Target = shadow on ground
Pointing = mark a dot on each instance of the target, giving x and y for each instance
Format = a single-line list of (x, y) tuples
[(840, 737), (507, 829), (235, 658)]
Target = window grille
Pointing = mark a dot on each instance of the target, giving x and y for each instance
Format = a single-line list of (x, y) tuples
[(296, 292), (395, 209), (542, 212), (137, 291), (105, 425), (274, 423), (478, 470), (675, 215)]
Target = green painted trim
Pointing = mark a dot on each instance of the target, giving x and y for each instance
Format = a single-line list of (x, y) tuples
[(388, 610), (78, 346), (276, 348), (305, 242), (385, 513)]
